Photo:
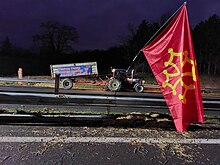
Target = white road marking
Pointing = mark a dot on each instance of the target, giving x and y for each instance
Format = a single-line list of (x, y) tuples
[(106, 140)]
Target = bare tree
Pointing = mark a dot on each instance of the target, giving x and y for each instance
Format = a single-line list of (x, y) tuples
[(56, 37)]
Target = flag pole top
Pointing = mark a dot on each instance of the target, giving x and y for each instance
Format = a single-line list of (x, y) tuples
[(156, 34)]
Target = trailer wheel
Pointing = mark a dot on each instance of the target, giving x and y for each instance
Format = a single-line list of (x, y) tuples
[(114, 85), (139, 88), (67, 83)]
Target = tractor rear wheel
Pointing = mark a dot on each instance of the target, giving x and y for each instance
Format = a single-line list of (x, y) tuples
[(114, 85)]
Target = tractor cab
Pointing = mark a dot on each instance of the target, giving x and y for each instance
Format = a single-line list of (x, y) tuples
[(120, 74)]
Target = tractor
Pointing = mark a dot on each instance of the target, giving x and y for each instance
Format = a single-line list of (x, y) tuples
[(121, 80)]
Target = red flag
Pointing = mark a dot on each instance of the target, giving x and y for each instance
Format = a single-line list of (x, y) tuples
[(172, 59)]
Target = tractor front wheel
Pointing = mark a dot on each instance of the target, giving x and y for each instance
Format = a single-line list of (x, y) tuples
[(139, 88)]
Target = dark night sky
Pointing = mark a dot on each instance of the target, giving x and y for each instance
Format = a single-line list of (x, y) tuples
[(98, 22)]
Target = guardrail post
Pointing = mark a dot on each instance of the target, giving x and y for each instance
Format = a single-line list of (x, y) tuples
[(20, 75), (57, 83)]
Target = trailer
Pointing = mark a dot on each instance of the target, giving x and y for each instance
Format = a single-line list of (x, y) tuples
[(69, 72)]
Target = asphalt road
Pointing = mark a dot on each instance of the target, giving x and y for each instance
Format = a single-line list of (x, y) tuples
[(88, 144), (130, 141)]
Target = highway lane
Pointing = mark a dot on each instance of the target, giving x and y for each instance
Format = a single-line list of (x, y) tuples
[(108, 145)]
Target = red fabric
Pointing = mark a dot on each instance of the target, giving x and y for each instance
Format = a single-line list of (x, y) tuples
[(172, 59)]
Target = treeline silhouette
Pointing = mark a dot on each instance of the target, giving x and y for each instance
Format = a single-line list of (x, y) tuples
[(37, 61)]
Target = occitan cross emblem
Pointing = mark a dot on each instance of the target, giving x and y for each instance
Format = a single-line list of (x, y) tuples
[(183, 56)]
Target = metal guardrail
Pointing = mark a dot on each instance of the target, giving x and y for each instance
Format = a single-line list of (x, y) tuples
[(147, 102)]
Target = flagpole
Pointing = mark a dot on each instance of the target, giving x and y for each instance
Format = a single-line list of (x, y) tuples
[(155, 34), (164, 25)]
